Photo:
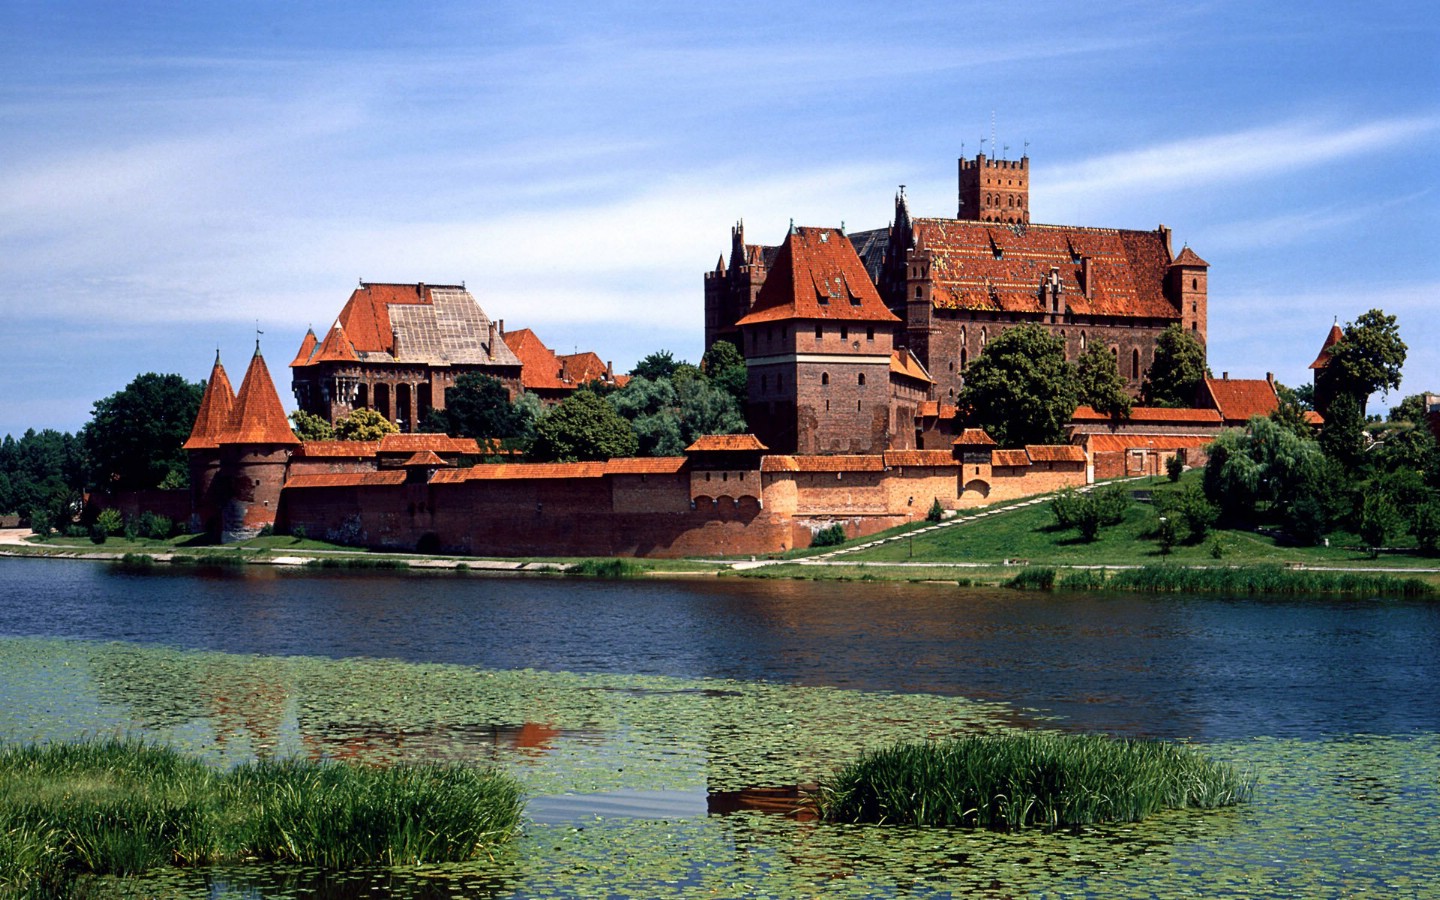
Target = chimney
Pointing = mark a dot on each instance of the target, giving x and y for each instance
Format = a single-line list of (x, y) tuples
[(1270, 377), (502, 326), (1224, 376)]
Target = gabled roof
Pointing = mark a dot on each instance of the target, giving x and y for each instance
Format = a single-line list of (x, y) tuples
[(993, 266), (904, 364), (645, 465), (258, 417), (423, 458), (435, 443), (430, 324), (1111, 443), (1237, 399), (726, 442), (1009, 458), (520, 471), (346, 479), (974, 437), (839, 463), (338, 449), (578, 368), (213, 418), (1054, 453), (335, 348), (934, 408), (1155, 415), (816, 275), (541, 367), (1331, 339), (919, 458)]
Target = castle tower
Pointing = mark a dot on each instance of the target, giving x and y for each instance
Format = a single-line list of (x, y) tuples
[(254, 454), (732, 288), (1186, 284), (995, 190), (817, 345), (1324, 389), (211, 423)]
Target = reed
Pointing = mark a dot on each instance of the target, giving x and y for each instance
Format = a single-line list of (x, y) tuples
[(1026, 780), (1264, 580), (606, 568), (1033, 578), (118, 807), (356, 562)]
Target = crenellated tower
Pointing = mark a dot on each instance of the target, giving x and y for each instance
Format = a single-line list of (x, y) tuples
[(995, 190)]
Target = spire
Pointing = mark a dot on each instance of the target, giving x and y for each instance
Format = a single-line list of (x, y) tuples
[(307, 349), (213, 418), (258, 417), (1331, 339)]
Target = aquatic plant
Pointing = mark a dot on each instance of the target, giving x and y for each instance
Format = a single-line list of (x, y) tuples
[(1026, 780), (118, 807), (357, 562), (1264, 580), (606, 568), (1033, 578)]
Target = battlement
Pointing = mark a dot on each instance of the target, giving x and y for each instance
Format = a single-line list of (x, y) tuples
[(981, 161), (994, 190)]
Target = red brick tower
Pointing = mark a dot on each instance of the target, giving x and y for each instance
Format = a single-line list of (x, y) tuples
[(254, 453), (211, 424), (1186, 283), (817, 344), (995, 190)]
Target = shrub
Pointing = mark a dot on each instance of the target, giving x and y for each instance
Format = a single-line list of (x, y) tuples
[(1173, 468), (298, 532), (1111, 503), (1065, 506), (1380, 521), (936, 513), (605, 568), (1167, 533), (76, 531), (1022, 780), (1033, 578), (153, 525), (266, 530), (41, 523), (831, 536), (110, 522)]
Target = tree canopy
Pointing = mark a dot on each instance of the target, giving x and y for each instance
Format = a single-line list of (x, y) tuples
[(134, 435), (310, 427), (1100, 384), (1020, 388), (43, 470), (724, 365), (364, 425), (1411, 409), (583, 427), (1179, 368), (657, 365), (478, 406), (1368, 358)]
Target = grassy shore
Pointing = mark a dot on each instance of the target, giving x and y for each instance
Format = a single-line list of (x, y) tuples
[(123, 807), (1027, 780)]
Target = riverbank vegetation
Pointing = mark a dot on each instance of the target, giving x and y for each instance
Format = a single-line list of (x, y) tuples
[(1012, 782), (1221, 580), (114, 807)]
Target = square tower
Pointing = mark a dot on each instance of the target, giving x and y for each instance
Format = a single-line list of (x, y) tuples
[(995, 190)]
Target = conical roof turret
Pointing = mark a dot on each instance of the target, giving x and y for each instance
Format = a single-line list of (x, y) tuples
[(213, 419), (258, 417)]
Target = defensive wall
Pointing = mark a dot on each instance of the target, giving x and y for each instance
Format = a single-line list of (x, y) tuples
[(661, 507)]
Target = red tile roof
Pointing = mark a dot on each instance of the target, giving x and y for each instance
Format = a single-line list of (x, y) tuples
[(307, 349), (902, 363), (338, 449), (974, 437), (336, 347), (1331, 339), (213, 419), (1110, 443), (431, 324), (578, 368), (919, 458), (515, 471), (346, 479), (992, 266), (1009, 458), (1313, 418), (1237, 399), (867, 463), (651, 465), (816, 275), (1189, 257), (424, 458), (437, 443), (540, 366), (1150, 415), (726, 442), (258, 417), (1054, 453), (778, 463)]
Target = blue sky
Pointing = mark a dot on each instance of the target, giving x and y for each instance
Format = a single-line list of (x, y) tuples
[(170, 174)]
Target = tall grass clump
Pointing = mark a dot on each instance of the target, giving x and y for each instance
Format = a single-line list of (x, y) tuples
[(1025, 780), (1264, 580), (135, 562), (606, 568), (356, 562), (1033, 578), (1083, 580), (116, 807)]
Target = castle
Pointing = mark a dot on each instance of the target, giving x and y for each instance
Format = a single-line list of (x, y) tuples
[(923, 297), (855, 346)]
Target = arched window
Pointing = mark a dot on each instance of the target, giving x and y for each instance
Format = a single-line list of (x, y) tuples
[(861, 380), (1135, 364), (964, 357), (824, 377), (1082, 341), (1194, 284), (983, 338)]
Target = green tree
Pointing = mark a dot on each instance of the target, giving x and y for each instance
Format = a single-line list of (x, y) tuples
[(1020, 388), (1100, 384), (478, 406), (669, 414), (1380, 521), (1263, 463), (583, 427), (135, 435), (724, 365), (310, 427), (1179, 368), (657, 365), (364, 425), (1411, 409), (1368, 358), (1290, 412), (42, 470), (1343, 436)]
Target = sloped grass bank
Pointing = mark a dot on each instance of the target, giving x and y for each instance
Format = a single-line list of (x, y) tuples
[(1222, 580), (1023, 780), (115, 807)]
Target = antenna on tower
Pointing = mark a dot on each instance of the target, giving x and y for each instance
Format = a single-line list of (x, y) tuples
[(1027, 149), (992, 129)]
